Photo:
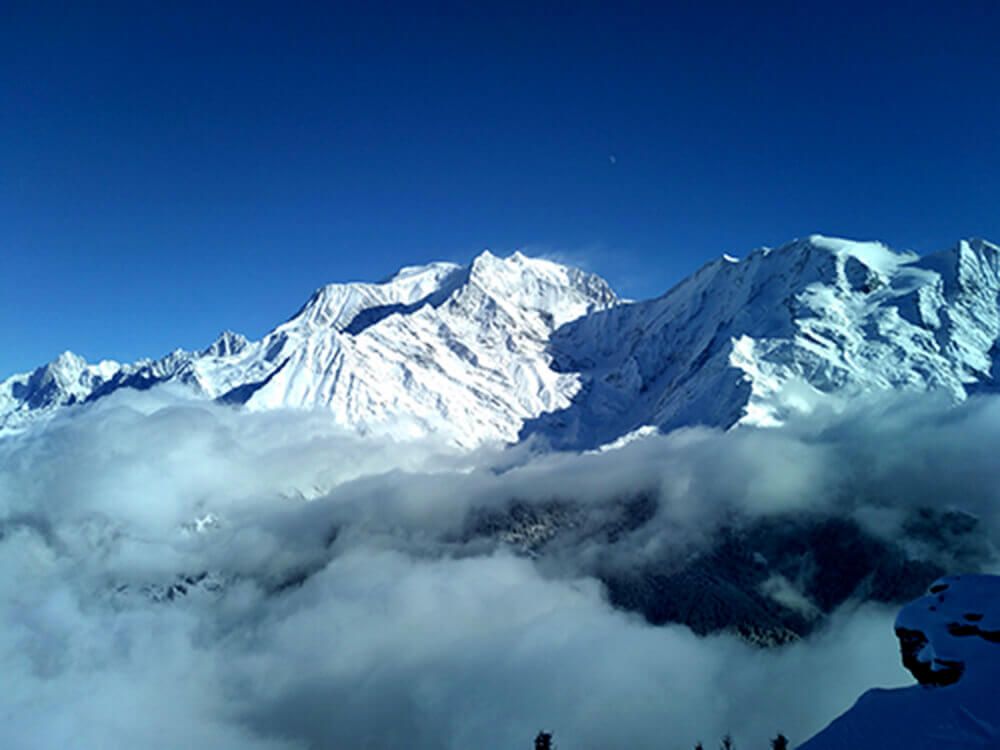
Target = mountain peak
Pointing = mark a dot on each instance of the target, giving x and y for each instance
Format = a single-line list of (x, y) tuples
[(875, 255), (506, 346), (336, 306), (562, 293), (428, 271), (977, 246), (226, 345), (67, 362), (816, 320)]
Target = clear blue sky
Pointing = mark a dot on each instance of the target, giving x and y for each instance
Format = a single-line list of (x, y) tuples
[(168, 170)]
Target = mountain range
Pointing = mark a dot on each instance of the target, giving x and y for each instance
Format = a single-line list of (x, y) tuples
[(506, 348)]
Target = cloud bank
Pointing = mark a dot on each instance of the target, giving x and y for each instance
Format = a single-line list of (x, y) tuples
[(176, 573)]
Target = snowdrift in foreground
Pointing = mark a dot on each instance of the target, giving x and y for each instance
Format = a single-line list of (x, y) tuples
[(950, 641)]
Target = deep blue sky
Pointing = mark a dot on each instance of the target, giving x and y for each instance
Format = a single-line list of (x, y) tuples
[(168, 172)]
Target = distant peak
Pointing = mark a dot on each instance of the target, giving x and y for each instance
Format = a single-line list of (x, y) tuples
[(227, 344), (829, 243), (489, 263), (68, 363), (978, 245), (353, 306), (519, 262), (516, 258), (69, 358), (437, 269), (876, 256), (562, 292)]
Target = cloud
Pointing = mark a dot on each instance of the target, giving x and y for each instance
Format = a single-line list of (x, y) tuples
[(349, 608)]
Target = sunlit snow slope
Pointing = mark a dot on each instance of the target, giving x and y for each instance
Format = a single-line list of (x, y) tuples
[(459, 351), (753, 340), (505, 348)]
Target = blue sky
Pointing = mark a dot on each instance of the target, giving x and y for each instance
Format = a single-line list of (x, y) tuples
[(169, 172)]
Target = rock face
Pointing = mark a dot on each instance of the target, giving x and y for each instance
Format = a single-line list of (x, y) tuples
[(950, 641), (957, 620)]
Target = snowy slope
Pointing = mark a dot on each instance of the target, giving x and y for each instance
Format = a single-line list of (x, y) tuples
[(950, 636), (459, 351), (505, 348), (751, 341)]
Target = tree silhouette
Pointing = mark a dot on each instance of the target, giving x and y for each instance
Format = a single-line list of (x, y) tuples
[(727, 743), (780, 742), (543, 741)]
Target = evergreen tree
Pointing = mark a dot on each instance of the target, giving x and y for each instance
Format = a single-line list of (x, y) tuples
[(543, 741), (727, 743), (780, 742), (699, 746)]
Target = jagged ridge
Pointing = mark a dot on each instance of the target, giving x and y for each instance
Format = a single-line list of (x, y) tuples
[(504, 348), (460, 351)]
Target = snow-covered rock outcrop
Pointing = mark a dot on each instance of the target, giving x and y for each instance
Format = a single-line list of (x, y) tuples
[(950, 641)]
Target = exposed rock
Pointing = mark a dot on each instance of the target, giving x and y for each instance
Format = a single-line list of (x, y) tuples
[(950, 641), (935, 630)]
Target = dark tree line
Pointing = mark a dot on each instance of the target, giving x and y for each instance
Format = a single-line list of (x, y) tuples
[(544, 742), (778, 743)]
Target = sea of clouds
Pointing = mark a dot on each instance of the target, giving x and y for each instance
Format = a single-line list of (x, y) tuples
[(338, 605)]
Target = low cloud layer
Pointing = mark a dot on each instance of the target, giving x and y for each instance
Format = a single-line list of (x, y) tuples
[(330, 598)]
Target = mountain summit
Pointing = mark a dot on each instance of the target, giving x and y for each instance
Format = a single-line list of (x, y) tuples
[(508, 347), (442, 348), (755, 340)]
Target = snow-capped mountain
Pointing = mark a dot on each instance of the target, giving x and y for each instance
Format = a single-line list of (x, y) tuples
[(504, 348), (459, 351), (752, 340)]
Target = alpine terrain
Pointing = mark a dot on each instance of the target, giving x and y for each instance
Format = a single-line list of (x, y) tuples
[(510, 347), (678, 527)]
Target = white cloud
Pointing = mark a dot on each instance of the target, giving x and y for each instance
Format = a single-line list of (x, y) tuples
[(399, 637)]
